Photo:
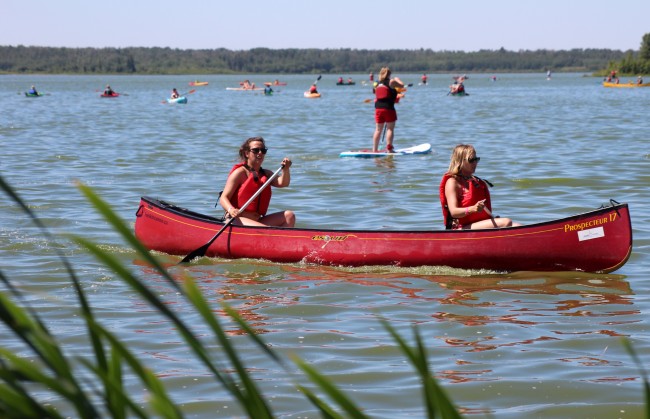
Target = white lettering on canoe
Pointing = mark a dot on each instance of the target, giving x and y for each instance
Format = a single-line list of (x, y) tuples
[(592, 233)]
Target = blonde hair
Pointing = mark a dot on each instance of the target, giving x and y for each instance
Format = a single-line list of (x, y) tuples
[(384, 74), (460, 154)]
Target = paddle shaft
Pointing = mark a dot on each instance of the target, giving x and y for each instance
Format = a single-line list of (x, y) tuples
[(201, 250), (487, 211)]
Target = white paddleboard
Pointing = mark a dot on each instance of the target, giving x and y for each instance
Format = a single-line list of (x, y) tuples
[(418, 149)]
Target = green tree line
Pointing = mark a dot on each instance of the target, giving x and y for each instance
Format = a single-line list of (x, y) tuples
[(633, 63), (141, 60)]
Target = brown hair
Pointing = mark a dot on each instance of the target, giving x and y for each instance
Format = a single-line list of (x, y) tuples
[(246, 146)]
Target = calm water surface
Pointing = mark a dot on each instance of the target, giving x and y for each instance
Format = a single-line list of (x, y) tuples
[(504, 345)]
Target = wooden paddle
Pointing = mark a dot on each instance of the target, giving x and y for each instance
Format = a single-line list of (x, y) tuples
[(201, 250), (487, 211)]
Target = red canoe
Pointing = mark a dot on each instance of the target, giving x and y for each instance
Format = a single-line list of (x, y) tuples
[(111, 95), (596, 241)]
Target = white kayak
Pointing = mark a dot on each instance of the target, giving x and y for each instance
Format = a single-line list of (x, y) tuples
[(418, 149)]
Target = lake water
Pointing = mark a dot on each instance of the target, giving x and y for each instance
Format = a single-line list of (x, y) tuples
[(503, 345)]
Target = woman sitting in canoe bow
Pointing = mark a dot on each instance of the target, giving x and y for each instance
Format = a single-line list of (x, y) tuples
[(245, 179), (465, 198)]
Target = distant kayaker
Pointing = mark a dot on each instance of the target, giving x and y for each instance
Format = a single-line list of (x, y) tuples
[(245, 179), (175, 94), (371, 76), (424, 79), (639, 80), (313, 90), (108, 91), (33, 91), (465, 198), (385, 113), (267, 89), (457, 88)]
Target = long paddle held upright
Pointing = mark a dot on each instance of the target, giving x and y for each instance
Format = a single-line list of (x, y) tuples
[(201, 250)]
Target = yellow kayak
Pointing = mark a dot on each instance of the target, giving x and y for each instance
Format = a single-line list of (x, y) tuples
[(629, 84)]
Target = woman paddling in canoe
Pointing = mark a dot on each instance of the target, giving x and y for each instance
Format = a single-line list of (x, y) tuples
[(385, 113), (465, 198), (245, 179)]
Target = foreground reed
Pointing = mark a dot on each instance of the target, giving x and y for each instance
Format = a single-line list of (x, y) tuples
[(110, 362)]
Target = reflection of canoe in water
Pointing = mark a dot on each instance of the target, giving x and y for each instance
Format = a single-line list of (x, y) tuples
[(312, 95), (596, 241), (198, 83), (241, 88), (181, 100), (630, 84)]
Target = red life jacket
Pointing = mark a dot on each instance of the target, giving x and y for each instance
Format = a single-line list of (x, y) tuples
[(247, 189), (478, 190), (386, 97)]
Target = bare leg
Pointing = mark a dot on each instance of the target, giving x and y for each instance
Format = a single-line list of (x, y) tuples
[(390, 132), (375, 137)]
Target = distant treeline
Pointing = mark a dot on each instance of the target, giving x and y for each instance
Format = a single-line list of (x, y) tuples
[(633, 63), (140, 60)]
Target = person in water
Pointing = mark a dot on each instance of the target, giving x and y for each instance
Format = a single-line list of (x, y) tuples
[(465, 198), (245, 179), (175, 94), (267, 89), (385, 113), (108, 91)]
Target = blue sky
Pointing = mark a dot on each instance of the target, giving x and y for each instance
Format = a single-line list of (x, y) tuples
[(468, 25)]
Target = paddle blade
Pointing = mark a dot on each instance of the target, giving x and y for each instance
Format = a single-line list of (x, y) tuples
[(200, 252)]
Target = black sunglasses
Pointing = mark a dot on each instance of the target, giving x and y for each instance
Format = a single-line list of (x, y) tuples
[(258, 150), (474, 159)]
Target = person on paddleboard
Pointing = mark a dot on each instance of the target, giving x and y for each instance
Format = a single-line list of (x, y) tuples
[(465, 198), (245, 179), (385, 113)]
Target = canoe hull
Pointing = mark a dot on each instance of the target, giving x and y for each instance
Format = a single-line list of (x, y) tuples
[(609, 84), (597, 241), (312, 95), (198, 83)]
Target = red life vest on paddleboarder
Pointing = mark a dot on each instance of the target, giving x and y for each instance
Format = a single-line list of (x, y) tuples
[(247, 189), (385, 97), (478, 190)]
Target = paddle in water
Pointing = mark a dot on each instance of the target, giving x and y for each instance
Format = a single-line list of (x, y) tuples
[(201, 250)]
